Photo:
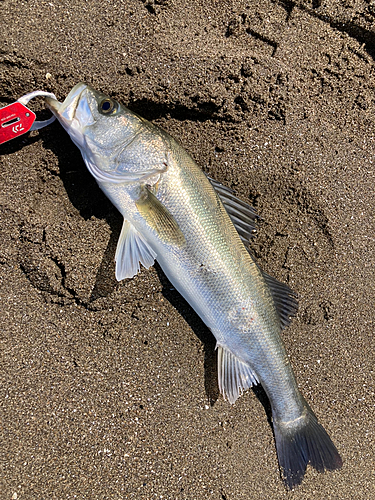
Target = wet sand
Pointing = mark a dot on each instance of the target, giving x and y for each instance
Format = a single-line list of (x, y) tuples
[(108, 390)]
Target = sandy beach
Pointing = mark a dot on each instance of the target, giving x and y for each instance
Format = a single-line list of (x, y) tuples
[(108, 390)]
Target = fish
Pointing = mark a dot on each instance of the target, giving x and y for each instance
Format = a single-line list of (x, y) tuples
[(199, 232)]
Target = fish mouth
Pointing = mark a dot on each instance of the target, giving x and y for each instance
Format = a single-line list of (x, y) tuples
[(66, 111), (75, 113)]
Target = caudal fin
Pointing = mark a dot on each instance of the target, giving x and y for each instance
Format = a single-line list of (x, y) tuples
[(301, 442)]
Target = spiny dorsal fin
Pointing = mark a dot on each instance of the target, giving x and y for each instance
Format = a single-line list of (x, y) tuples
[(159, 218), (284, 298), (243, 216), (132, 249), (234, 376)]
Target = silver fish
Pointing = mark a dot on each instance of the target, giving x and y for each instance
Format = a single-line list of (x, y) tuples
[(196, 229)]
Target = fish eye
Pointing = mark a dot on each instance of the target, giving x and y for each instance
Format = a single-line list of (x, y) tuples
[(107, 106)]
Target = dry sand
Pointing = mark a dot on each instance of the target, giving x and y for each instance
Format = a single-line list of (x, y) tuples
[(107, 390)]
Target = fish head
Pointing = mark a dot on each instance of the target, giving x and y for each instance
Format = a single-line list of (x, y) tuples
[(112, 139)]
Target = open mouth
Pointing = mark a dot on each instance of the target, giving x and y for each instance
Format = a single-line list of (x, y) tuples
[(66, 110), (74, 113)]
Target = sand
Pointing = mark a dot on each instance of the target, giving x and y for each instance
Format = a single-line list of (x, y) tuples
[(108, 390)]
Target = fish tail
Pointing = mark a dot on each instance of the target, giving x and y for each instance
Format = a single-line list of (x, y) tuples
[(300, 442)]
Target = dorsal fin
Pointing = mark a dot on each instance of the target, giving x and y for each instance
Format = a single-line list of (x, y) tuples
[(284, 298), (243, 216), (244, 219)]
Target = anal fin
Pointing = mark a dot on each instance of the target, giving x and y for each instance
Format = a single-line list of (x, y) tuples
[(234, 376), (132, 250)]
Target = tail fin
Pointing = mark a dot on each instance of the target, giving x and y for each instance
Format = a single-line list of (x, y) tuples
[(301, 442)]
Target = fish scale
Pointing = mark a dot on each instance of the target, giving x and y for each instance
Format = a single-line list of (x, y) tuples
[(198, 230)]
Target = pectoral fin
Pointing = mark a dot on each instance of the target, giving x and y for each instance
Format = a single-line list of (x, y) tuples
[(132, 250), (159, 218)]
